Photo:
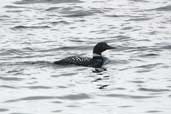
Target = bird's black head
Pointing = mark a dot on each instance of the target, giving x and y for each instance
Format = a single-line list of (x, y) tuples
[(100, 47)]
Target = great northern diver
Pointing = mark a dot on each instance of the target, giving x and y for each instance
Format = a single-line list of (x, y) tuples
[(97, 61)]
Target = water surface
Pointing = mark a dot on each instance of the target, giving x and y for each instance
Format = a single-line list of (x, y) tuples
[(34, 33)]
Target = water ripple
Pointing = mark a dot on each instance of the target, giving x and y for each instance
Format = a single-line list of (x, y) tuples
[(164, 8), (149, 55), (80, 96), (149, 66), (3, 109), (29, 27), (79, 13), (127, 96), (37, 87), (47, 1), (153, 90), (35, 33), (11, 78), (7, 86), (153, 111), (32, 98)]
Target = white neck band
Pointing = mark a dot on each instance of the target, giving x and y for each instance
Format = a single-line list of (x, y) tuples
[(96, 55)]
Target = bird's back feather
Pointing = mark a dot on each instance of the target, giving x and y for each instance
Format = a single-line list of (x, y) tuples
[(81, 61)]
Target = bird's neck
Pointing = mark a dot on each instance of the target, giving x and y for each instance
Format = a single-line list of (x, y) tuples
[(95, 55)]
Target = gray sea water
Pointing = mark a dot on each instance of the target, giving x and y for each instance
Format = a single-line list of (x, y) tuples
[(34, 33)]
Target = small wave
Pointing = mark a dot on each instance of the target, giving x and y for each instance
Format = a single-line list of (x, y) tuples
[(30, 52), (119, 61), (32, 98), (18, 113), (148, 66), (59, 22), (10, 52), (127, 28), (29, 27), (64, 74), (57, 111), (47, 1), (120, 88), (28, 63), (74, 48), (130, 96), (28, 87), (80, 96), (10, 78), (13, 7), (123, 37), (140, 19), (52, 8), (57, 102), (103, 86), (153, 111), (37, 87), (14, 11), (143, 70), (138, 82), (153, 49), (125, 106), (7, 86), (149, 55), (3, 110), (79, 12), (114, 15), (153, 90), (166, 47), (4, 52), (139, 0), (36, 62), (164, 8)]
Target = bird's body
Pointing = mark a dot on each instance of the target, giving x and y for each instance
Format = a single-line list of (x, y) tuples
[(96, 61), (81, 61)]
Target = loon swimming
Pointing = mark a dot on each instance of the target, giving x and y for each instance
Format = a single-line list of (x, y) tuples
[(96, 61)]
